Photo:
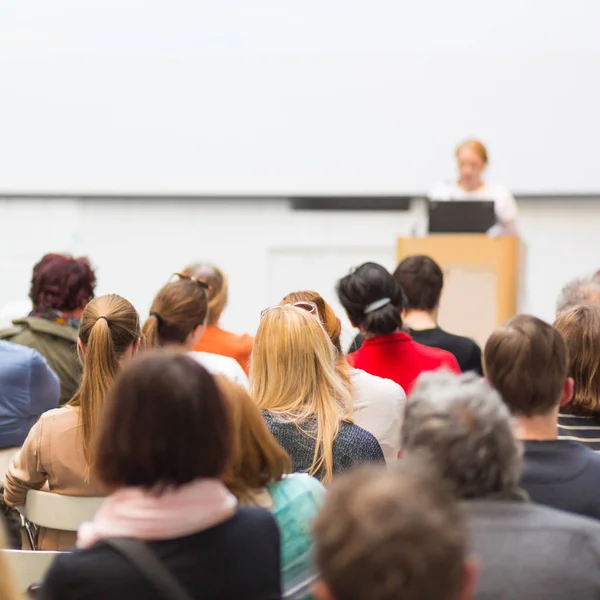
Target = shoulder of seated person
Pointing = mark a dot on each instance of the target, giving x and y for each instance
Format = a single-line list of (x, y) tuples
[(380, 384), (62, 413)]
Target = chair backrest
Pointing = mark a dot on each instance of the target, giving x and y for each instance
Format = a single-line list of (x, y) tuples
[(28, 566), (57, 511)]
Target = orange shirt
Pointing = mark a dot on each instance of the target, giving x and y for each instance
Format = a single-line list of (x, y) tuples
[(225, 343)]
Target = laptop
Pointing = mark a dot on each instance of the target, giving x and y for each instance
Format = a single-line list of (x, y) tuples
[(461, 216)]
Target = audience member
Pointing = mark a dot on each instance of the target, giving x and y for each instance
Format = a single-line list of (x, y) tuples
[(61, 287), (259, 473), (305, 403), (60, 450), (582, 290), (422, 280), (385, 535), (580, 418), (374, 301), (168, 498), (378, 403), (526, 360), (8, 585), (178, 318), (28, 388), (526, 551), (214, 339)]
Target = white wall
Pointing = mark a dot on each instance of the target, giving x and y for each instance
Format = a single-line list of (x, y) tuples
[(267, 249)]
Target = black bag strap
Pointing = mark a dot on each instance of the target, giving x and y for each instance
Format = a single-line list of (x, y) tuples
[(143, 557)]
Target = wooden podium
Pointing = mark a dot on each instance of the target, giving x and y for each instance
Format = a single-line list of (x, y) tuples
[(481, 279)]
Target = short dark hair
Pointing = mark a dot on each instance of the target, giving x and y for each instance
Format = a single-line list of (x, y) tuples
[(62, 283), (422, 281), (527, 361), (395, 533), (364, 285), (165, 423)]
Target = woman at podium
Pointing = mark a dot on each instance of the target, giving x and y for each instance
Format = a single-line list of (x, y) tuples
[(472, 159)]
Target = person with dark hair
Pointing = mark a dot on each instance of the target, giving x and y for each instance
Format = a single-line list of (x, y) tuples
[(61, 286), (527, 361), (391, 534), (526, 551), (168, 500), (422, 280), (215, 339), (374, 302)]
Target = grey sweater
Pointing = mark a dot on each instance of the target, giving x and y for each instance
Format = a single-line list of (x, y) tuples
[(530, 552), (352, 446)]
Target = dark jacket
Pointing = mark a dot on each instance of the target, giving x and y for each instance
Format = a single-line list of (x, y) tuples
[(56, 343)]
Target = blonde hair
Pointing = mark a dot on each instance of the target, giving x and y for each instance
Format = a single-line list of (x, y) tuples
[(257, 459), (217, 291), (580, 328), (8, 585), (109, 326), (293, 374), (331, 324), (477, 147)]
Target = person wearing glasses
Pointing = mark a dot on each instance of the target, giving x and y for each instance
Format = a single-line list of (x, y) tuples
[(178, 317), (307, 407), (215, 339)]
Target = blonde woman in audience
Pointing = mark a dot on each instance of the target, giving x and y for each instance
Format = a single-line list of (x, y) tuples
[(8, 586), (178, 317), (304, 401), (215, 339), (60, 450), (579, 420), (168, 498), (258, 473), (378, 403)]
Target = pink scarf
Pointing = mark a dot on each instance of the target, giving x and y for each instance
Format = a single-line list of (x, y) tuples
[(137, 513)]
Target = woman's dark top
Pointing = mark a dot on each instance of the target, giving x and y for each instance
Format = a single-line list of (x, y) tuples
[(352, 446), (236, 559)]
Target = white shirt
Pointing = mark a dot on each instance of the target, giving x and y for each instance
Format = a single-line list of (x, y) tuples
[(504, 202), (379, 408), (222, 365)]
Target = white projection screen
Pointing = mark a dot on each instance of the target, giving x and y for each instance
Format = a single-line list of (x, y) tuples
[(274, 97)]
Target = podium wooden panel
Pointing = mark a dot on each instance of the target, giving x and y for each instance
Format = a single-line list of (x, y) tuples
[(481, 279)]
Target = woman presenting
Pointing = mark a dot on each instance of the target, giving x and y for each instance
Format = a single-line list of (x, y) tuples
[(472, 159)]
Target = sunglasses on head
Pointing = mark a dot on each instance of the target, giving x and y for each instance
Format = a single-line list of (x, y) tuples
[(180, 276), (310, 307)]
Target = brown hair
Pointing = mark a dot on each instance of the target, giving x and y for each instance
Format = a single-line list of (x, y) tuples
[(477, 147), (218, 288), (580, 328), (422, 280), (331, 324), (527, 361), (256, 457), (178, 308), (386, 534), (109, 326), (165, 423)]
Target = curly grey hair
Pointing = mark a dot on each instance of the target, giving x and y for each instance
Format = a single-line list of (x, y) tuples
[(582, 290), (466, 431)]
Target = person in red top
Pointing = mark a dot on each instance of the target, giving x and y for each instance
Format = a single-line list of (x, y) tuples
[(374, 302)]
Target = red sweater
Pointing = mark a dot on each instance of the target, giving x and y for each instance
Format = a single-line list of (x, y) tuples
[(399, 358)]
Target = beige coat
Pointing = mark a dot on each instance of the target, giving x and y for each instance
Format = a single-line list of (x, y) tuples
[(51, 458)]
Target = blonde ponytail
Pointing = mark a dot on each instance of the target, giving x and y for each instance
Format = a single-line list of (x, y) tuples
[(150, 332)]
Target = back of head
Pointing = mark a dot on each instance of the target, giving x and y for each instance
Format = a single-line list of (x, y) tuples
[(165, 423), (178, 308), (256, 457), (109, 326), (392, 534), (217, 291), (292, 372), (461, 424), (580, 329), (582, 290), (373, 299), (422, 281), (61, 282), (526, 360)]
